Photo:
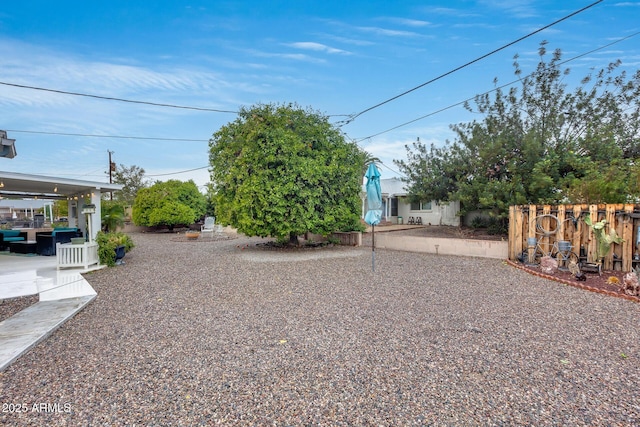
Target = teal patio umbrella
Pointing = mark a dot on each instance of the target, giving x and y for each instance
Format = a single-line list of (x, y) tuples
[(374, 205)]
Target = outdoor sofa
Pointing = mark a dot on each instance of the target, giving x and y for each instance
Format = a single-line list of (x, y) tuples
[(46, 240), (8, 236)]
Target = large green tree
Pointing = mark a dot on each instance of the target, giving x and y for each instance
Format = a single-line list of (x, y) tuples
[(169, 203), (538, 142), (281, 171)]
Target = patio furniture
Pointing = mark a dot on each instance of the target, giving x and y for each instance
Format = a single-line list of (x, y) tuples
[(47, 240), (8, 236), (209, 226), (23, 247)]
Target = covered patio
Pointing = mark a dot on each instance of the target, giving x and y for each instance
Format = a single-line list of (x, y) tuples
[(61, 292), (78, 193)]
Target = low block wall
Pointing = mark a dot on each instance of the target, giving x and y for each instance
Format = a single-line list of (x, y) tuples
[(349, 238), (441, 246)]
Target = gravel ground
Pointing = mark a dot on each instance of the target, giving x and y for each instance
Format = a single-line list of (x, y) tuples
[(230, 333), (11, 306)]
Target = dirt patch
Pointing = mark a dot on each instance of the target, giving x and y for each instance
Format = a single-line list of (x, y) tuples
[(201, 239), (608, 283), (448, 231)]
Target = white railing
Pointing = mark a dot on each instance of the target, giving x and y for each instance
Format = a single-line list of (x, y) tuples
[(70, 255)]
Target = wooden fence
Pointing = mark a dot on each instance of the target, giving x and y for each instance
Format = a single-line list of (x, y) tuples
[(535, 221)]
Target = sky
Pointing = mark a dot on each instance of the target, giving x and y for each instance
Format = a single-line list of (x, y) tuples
[(339, 58)]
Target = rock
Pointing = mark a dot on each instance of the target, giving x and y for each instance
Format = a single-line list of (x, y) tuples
[(548, 265), (630, 284)]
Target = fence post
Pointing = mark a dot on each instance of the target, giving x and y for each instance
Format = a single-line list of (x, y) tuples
[(627, 235), (576, 239), (515, 231), (561, 218)]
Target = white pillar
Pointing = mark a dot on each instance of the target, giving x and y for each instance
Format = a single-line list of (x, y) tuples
[(82, 218), (96, 218), (72, 205)]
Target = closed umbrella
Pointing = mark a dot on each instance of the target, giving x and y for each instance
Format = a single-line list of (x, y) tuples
[(374, 205)]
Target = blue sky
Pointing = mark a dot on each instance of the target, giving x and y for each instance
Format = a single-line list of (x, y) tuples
[(337, 57)]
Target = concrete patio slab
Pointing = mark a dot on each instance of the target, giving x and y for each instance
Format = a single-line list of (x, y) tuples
[(62, 294), (24, 330)]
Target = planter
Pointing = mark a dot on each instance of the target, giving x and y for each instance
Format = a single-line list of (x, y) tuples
[(120, 253), (192, 235), (592, 267), (77, 240)]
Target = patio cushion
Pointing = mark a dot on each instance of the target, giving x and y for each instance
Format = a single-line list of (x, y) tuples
[(63, 230), (8, 236)]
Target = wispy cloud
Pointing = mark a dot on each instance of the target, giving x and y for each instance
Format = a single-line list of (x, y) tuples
[(520, 9), (32, 66), (349, 41), (416, 23), (318, 47), (287, 56), (389, 33), (446, 11)]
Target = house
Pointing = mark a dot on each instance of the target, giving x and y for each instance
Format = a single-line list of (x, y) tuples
[(397, 208)]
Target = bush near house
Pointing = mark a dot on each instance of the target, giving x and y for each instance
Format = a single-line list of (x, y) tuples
[(107, 244)]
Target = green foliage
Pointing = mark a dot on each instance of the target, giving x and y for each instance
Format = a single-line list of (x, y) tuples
[(171, 213), (479, 222), (112, 215), (132, 180), (281, 171), (60, 208), (538, 143), (169, 203), (107, 244), (612, 183)]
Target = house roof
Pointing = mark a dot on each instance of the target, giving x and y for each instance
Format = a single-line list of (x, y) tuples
[(390, 187), (393, 187), (13, 184)]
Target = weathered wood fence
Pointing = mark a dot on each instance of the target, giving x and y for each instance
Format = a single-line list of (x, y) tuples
[(534, 221)]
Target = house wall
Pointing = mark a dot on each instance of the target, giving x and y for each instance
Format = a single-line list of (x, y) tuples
[(439, 214)]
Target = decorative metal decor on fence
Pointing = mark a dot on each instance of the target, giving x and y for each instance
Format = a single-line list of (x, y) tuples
[(534, 229)]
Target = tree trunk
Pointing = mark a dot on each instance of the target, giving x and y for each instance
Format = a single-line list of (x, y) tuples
[(293, 239)]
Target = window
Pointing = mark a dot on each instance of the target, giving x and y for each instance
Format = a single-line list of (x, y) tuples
[(420, 206)]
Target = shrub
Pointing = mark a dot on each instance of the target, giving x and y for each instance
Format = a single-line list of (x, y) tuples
[(107, 244), (479, 222), (497, 226)]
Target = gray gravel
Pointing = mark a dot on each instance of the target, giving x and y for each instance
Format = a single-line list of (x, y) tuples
[(230, 333)]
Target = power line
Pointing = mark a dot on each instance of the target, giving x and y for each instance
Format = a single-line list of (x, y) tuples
[(492, 90), (353, 117), (110, 98), (392, 170), (175, 173), (107, 136)]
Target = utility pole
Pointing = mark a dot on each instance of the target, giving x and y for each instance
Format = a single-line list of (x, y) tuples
[(112, 169)]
